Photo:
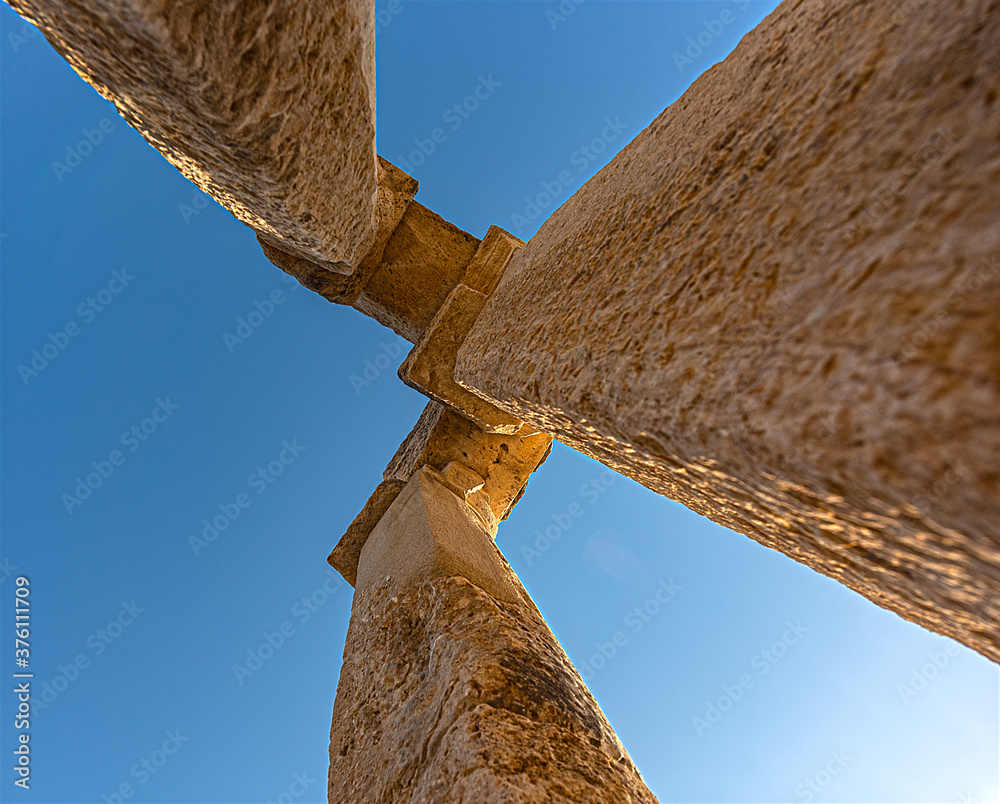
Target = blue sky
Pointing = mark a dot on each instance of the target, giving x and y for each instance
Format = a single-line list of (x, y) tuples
[(742, 677)]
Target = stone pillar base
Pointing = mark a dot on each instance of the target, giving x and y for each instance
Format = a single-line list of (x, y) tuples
[(451, 694)]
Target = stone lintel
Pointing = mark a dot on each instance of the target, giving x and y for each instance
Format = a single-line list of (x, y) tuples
[(423, 260), (430, 366), (779, 303), (396, 190), (416, 260), (456, 447)]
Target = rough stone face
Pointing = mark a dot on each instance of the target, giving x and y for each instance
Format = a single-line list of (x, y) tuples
[(345, 556), (490, 260), (449, 694), (430, 366), (395, 192), (423, 260), (443, 438), (429, 531), (267, 106), (779, 304)]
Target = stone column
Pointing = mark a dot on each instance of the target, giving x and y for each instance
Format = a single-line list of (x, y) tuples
[(779, 304), (453, 689), (267, 106)]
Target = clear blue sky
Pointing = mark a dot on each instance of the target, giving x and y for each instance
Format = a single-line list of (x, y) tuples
[(826, 707)]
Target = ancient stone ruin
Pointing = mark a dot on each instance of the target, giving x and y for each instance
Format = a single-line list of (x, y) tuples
[(771, 306)]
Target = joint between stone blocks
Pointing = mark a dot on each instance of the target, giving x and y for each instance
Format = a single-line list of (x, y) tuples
[(395, 192), (430, 366), (489, 471)]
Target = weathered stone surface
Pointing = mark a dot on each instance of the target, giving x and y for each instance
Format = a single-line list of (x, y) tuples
[(488, 263), (449, 693), (505, 462), (428, 532), (779, 305), (469, 486), (267, 106), (345, 556), (395, 192), (423, 260), (441, 439), (430, 366)]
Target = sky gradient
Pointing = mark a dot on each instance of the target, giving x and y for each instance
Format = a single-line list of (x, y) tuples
[(212, 395)]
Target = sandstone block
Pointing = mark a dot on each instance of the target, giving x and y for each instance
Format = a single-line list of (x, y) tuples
[(452, 688), (267, 106), (490, 471), (779, 305), (430, 366), (395, 192), (422, 261)]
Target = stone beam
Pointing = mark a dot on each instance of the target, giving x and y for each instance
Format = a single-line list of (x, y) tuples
[(269, 107), (779, 305), (417, 260), (452, 686), (489, 470)]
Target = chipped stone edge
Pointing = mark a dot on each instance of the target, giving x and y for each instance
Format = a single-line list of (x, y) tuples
[(396, 190), (430, 366)]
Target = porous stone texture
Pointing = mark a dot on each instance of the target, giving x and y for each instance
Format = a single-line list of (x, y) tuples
[(450, 693), (442, 438), (779, 304), (490, 260), (430, 531), (347, 553), (395, 192), (430, 366), (423, 260), (267, 106)]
